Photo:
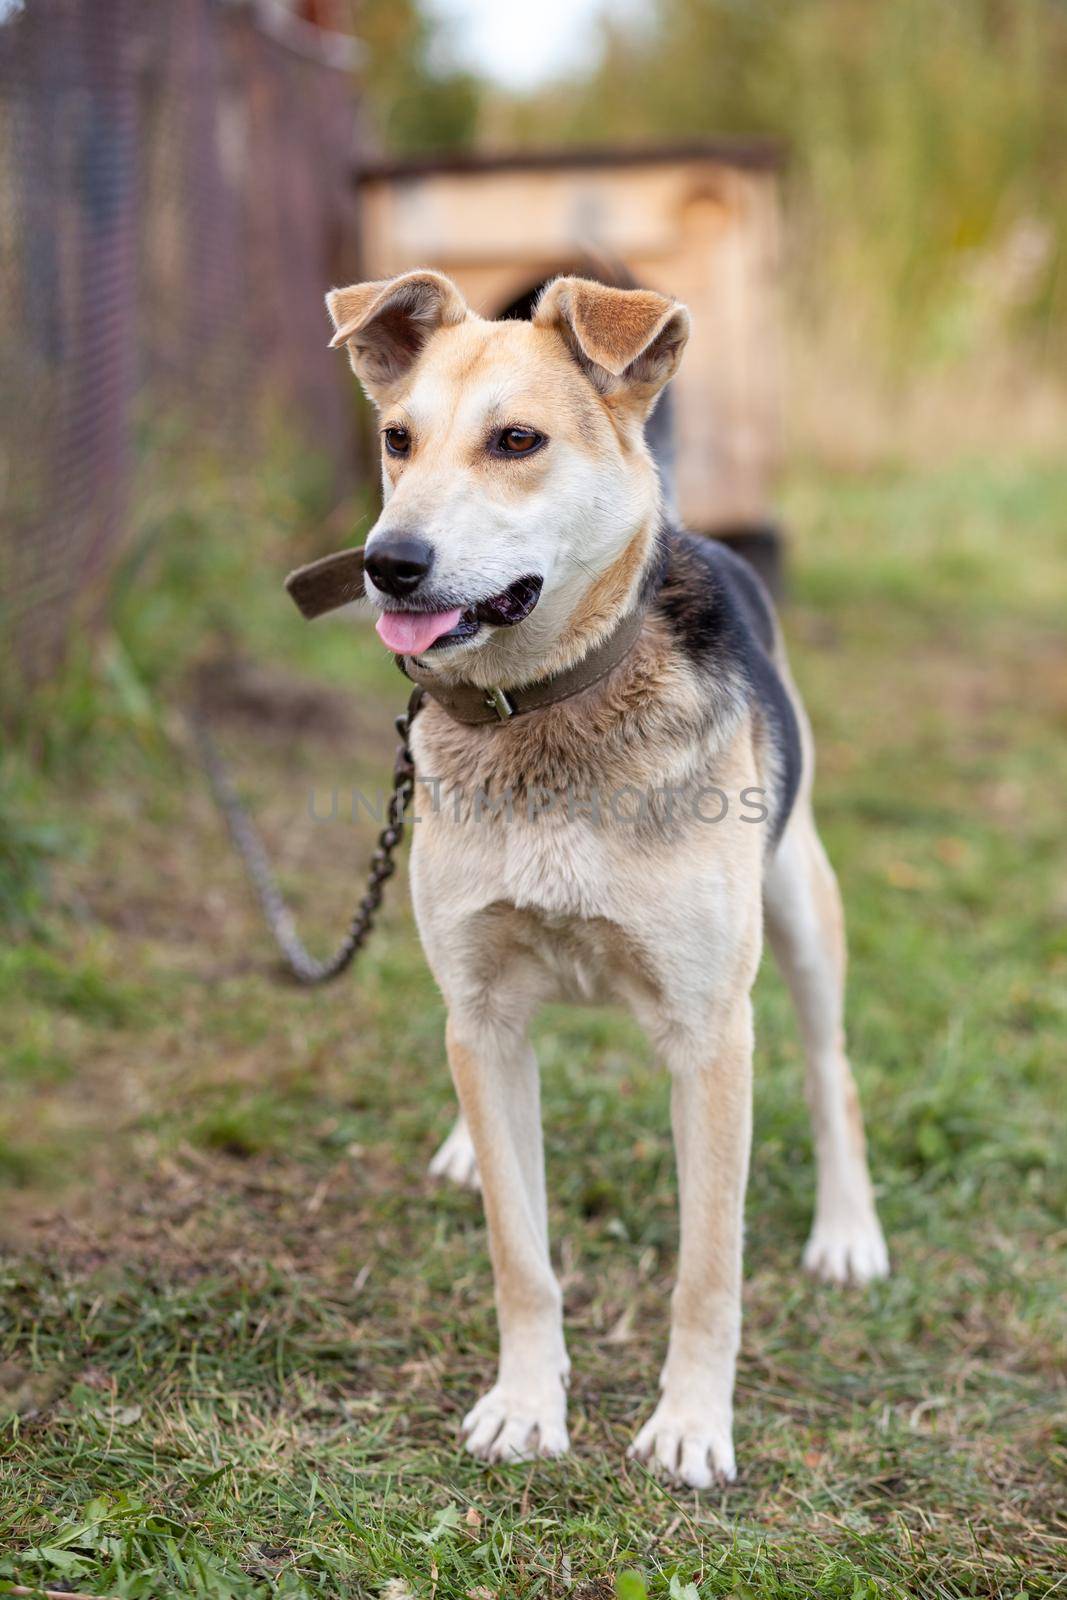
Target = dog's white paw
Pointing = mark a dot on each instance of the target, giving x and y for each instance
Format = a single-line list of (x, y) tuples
[(847, 1248), (685, 1447), (456, 1161), (508, 1425)]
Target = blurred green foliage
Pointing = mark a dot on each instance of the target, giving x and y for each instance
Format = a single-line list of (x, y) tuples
[(416, 100), (201, 578), (927, 143)]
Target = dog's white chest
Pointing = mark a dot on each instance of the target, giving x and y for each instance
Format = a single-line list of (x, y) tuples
[(550, 889), (558, 866), (555, 864)]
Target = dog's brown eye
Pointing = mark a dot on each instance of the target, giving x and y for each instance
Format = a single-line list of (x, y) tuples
[(517, 442), (397, 441)]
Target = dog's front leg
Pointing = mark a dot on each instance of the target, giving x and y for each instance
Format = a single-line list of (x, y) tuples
[(690, 1434), (524, 1414)]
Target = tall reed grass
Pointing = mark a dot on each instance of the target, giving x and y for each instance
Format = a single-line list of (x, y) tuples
[(927, 178)]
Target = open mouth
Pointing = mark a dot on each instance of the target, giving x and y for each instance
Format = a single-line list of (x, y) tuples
[(412, 633)]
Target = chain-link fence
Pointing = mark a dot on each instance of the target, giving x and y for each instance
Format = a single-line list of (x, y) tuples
[(174, 197)]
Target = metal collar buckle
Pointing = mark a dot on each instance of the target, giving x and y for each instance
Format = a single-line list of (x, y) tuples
[(498, 701)]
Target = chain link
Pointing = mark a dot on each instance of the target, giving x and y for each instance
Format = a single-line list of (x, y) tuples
[(250, 847)]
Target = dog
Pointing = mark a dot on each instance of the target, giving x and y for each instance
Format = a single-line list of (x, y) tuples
[(572, 647)]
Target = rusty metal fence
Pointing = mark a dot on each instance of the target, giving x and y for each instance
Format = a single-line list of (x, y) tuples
[(174, 197)]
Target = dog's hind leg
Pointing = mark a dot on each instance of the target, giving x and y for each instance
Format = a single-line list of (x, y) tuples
[(455, 1160), (805, 925), (496, 1077)]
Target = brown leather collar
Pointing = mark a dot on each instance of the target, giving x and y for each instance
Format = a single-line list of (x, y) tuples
[(465, 702), (338, 579)]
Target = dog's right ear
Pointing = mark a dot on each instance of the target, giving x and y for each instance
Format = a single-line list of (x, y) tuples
[(387, 324)]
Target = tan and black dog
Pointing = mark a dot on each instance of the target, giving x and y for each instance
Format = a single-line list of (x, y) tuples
[(616, 788)]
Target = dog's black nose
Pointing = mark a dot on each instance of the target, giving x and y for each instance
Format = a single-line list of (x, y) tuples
[(398, 564)]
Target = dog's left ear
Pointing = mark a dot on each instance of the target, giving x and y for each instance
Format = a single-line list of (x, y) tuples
[(628, 341)]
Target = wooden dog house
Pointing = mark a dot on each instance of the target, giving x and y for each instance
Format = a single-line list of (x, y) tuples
[(699, 221)]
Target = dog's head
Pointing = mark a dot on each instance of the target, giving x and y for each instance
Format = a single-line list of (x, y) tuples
[(520, 501)]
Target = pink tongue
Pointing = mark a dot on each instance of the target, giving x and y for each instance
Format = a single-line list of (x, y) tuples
[(409, 633)]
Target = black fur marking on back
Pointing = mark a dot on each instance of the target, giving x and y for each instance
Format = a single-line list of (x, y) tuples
[(722, 617)]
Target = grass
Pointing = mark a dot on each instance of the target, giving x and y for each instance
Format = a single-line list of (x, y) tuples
[(239, 1325)]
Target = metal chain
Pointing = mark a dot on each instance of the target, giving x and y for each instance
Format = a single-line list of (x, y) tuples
[(251, 849)]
